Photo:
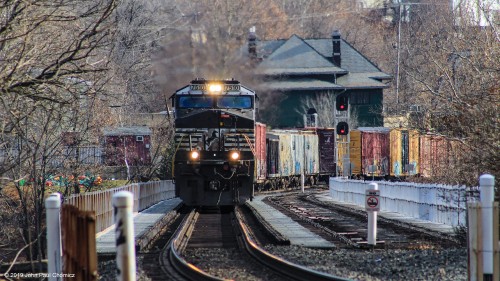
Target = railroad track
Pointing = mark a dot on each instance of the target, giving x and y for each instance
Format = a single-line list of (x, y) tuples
[(349, 227), (229, 230)]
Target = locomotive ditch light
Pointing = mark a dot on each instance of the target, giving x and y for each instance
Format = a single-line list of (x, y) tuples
[(234, 155), (215, 88), (194, 155)]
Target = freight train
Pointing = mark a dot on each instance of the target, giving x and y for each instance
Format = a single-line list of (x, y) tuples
[(222, 154)]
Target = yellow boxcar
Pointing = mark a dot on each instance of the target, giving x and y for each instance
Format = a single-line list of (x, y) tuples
[(404, 152), (355, 152)]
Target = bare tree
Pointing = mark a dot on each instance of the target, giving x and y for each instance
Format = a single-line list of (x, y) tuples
[(52, 61), (451, 71)]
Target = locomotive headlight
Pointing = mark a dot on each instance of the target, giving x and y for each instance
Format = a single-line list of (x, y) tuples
[(215, 88), (195, 155), (235, 155)]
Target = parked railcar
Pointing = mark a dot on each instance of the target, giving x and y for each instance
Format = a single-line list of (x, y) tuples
[(291, 154), (369, 152), (326, 152), (214, 163), (404, 151), (434, 155)]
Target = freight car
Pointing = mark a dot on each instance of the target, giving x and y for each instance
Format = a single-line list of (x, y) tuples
[(214, 162), (291, 154), (369, 152)]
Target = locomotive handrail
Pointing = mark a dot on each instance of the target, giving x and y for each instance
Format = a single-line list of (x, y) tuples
[(294, 271), (173, 157)]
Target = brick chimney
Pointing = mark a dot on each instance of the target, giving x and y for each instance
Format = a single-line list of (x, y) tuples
[(336, 48), (252, 43)]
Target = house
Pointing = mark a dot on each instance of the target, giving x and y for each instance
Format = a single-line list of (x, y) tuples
[(132, 143), (297, 68)]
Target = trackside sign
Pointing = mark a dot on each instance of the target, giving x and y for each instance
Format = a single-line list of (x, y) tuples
[(372, 200)]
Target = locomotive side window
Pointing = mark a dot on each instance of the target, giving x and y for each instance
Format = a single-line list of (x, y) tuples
[(234, 102), (195, 102)]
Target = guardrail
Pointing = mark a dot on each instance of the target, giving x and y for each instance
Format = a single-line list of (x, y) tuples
[(145, 195), (432, 202)]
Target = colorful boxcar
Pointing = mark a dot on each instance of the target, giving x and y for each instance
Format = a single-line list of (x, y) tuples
[(434, 155), (292, 153), (404, 151), (369, 151)]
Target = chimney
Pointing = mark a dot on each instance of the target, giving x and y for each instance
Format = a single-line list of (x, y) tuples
[(252, 44), (336, 48)]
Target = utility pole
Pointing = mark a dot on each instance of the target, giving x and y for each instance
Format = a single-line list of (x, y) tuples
[(399, 53)]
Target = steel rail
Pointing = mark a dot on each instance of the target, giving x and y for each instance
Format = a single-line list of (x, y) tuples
[(178, 245), (294, 271)]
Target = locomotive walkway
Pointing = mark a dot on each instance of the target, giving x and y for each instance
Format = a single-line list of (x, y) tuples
[(146, 225)]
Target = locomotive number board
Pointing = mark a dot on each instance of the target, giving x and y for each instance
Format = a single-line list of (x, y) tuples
[(204, 87)]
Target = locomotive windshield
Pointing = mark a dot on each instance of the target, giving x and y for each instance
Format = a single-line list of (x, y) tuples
[(195, 102), (243, 102)]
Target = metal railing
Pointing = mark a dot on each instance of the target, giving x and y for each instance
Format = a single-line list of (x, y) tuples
[(431, 202), (145, 195)]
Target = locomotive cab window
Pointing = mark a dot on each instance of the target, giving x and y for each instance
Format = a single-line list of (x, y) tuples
[(243, 102), (195, 102)]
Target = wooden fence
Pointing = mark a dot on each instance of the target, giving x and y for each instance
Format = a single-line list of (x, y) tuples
[(145, 195), (78, 244), (476, 229)]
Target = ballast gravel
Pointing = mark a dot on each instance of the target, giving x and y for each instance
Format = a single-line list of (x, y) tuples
[(373, 265), (354, 264)]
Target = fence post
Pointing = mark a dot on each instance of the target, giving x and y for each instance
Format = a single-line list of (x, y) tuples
[(487, 182), (54, 251), (124, 235)]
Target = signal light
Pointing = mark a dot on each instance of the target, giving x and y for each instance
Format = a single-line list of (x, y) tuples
[(342, 103), (342, 128)]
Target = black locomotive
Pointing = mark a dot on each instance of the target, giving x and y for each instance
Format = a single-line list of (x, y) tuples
[(215, 136)]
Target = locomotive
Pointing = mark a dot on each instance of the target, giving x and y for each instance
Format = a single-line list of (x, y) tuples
[(214, 137)]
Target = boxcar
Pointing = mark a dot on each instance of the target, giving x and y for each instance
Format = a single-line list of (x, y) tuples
[(326, 149), (404, 152), (291, 153), (434, 155), (369, 151)]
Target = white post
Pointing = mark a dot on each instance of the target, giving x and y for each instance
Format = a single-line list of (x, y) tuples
[(372, 221), (302, 182), (487, 183), (124, 234), (54, 250)]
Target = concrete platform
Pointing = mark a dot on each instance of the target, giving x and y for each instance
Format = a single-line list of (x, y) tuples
[(146, 225), (432, 226), (288, 228)]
